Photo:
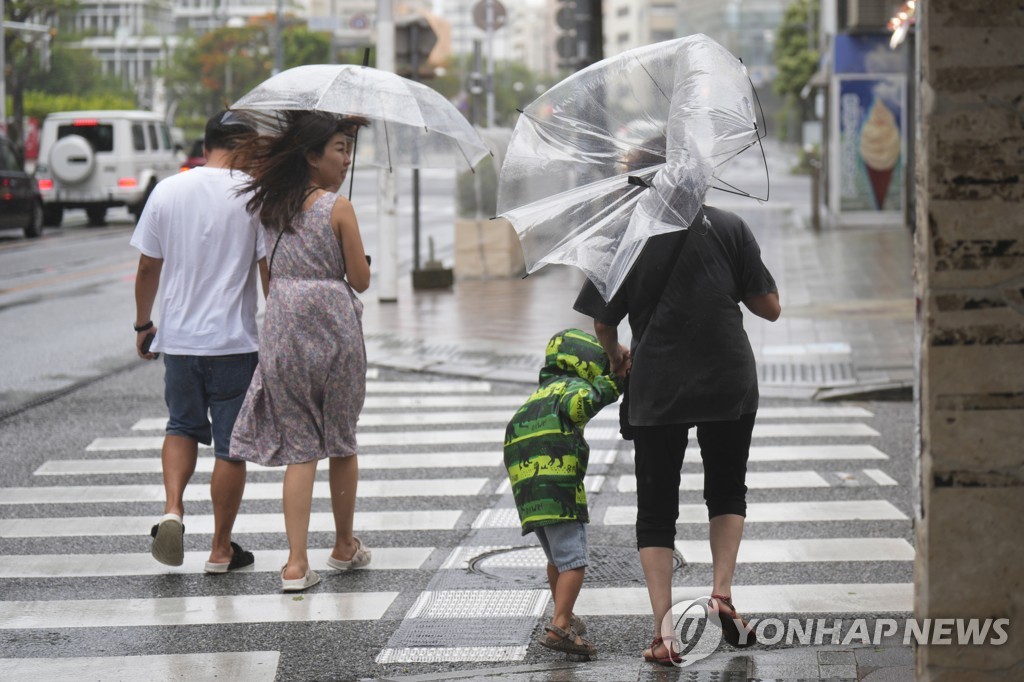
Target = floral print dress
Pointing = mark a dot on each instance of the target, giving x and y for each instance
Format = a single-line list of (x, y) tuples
[(308, 390)]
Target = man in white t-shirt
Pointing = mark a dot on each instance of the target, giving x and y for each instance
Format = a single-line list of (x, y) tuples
[(201, 244)]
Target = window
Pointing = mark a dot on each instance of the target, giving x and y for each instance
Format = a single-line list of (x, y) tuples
[(100, 137), (166, 136), (622, 11), (138, 137), (153, 143)]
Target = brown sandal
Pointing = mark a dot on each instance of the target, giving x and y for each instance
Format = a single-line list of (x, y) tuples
[(567, 642), (733, 623), (671, 659)]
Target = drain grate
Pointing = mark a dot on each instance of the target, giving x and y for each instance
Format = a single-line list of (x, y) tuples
[(806, 373), (527, 566)]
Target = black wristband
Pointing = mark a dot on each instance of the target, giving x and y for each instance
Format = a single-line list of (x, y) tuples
[(145, 327)]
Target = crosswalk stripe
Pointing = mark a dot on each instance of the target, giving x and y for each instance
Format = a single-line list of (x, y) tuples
[(880, 477), (454, 654), (755, 479), (814, 549), (511, 402), (89, 565), (454, 487), (427, 387), (789, 453), (778, 512), (867, 598), (152, 465), (172, 611), (78, 526), (252, 666), (497, 435)]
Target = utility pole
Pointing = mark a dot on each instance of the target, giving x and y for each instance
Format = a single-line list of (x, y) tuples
[(3, 70), (490, 63), (278, 45), (387, 202)]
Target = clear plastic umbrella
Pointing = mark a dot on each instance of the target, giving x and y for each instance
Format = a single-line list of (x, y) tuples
[(623, 150), (412, 125)]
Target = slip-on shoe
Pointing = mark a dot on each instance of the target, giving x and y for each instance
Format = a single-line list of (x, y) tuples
[(240, 561), (169, 540), (361, 558), (299, 584)]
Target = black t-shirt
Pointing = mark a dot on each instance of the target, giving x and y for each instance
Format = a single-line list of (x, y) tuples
[(693, 362)]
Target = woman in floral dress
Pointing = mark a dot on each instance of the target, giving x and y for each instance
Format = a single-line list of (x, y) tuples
[(308, 389)]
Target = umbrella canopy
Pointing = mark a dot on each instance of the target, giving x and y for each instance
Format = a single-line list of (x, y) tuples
[(623, 150), (412, 125)]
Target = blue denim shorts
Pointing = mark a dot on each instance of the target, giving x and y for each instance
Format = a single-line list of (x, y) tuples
[(565, 544), (204, 394)]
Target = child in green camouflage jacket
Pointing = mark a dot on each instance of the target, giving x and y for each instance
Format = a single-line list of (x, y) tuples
[(546, 456)]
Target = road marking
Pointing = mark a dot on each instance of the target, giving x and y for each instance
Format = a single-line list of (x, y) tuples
[(774, 600), (88, 565), (252, 666), (451, 654), (880, 477), (778, 512), (253, 491), (60, 279), (169, 612), (814, 549), (480, 604), (79, 526), (512, 402), (152, 465), (755, 479), (427, 387)]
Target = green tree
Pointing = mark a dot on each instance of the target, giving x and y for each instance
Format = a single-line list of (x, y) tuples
[(795, 62), (211, 71), (21, 51)]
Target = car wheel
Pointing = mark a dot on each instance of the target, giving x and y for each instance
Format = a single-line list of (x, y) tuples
[(53, 215), (97, 215), (139, 207), (34, 228)]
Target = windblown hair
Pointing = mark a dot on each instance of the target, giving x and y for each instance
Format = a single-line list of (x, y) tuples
[(227, 136), (278, 167)]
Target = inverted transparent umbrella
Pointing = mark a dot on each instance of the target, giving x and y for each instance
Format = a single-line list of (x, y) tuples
[(412, 125), (624, 150)]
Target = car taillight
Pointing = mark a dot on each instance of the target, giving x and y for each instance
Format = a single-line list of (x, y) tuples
[(127, 183), (80, 122), (45, 184), (183, 169)]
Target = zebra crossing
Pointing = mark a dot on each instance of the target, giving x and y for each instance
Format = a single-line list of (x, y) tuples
[(436, 508)]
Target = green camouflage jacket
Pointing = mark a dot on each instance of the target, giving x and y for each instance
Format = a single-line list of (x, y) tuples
[(545, 452)]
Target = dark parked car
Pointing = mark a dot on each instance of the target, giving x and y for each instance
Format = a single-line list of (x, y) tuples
[(21, 206), (195, 156)]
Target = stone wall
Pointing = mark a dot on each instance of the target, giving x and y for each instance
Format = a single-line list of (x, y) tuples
[(970, 284)]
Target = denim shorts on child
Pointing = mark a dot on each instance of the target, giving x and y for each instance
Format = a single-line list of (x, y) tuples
[(565, 544), (199, 389)]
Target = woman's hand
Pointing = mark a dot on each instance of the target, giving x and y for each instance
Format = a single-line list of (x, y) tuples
[(621, 362)]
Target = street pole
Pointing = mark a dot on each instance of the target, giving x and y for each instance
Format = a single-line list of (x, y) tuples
[(278, 46), (490, 63), (414, 59), (387, 202), (3, 70)]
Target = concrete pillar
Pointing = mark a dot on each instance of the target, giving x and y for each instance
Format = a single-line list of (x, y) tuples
[(970, 285)]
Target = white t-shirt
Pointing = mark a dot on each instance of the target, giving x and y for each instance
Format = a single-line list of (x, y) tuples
[(209, 245)]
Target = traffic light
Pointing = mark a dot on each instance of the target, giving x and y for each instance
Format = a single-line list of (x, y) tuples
[(567, 38), (579, 41)]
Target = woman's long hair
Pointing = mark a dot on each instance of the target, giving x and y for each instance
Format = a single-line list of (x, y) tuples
[(278, 166)]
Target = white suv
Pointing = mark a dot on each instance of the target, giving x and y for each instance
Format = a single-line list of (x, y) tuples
[(98, 159)]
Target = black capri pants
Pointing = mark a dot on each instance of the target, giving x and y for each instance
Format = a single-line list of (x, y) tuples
[(659, 450)]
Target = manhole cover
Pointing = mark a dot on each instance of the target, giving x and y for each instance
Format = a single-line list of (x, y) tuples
[(528, 565)]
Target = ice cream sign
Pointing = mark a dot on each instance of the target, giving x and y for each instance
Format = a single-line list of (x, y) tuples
[(869, 126)]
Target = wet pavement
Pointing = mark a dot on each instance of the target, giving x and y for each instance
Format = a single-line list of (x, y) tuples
[(846, 331)]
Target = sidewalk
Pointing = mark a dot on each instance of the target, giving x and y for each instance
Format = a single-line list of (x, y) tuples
[(867, 664), (847, 309)]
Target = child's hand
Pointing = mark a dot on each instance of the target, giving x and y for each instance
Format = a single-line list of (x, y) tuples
[(621, 362)]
